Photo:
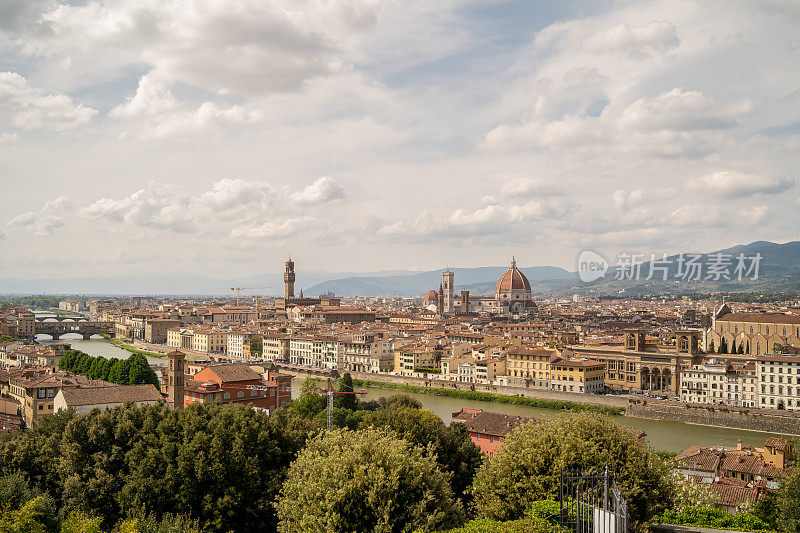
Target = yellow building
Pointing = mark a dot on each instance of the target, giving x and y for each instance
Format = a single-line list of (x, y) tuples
[(577, 375), (529, 367)]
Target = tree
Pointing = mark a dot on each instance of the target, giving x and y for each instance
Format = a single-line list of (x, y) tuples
[(365, 480), (346, 401), (711, 348), (723, 345), (527, 467), (733, 346), (788, 502), (222, 465), (451, 446), (741, 348), (256, 345)]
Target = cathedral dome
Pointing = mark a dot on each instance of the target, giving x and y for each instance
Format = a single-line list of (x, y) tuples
[(512, 280), (432, 296)]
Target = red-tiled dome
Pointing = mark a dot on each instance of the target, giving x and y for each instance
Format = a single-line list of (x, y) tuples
[(432, 297), (513, 279)]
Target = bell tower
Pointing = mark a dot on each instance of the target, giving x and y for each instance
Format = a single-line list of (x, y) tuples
[(173, 380), (288, 278)]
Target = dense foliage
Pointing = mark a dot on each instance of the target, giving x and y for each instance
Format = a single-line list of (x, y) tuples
[(489, 397), (527, 467), (524, 525), (134, 370), (787, 515), (716, 518), (368, 480), (222, 465)]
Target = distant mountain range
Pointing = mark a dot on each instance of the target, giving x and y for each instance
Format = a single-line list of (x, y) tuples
[(779, 271)]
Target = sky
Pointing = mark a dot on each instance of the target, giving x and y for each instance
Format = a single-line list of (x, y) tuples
[(144, 137)]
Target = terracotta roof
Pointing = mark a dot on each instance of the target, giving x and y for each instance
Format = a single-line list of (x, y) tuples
[(777, 443), (513, 279), (734, 495), (234, 372), (761, 318), (489, 423), (116, 394), (699, 457)]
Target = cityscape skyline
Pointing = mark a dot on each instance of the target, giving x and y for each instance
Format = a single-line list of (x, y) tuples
[(339, 134)]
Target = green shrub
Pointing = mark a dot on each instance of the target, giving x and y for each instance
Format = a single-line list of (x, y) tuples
[(526, 525), (715, 518)]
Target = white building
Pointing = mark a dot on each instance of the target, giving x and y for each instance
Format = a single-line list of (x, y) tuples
[(778, 381)]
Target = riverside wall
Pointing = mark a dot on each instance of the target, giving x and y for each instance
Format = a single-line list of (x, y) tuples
[(706, 415)]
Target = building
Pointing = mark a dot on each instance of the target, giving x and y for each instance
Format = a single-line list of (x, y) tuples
[(448, 306), (718, 382), (84, 400), (488, 430), (174, 381), (239, 383), (577, 375), (238, 344), (778, 379), (155, 330), (753, 333), (530, 367), (275, 347)]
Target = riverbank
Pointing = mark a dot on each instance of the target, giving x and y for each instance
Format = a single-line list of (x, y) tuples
[(491, 397), (132, 349)]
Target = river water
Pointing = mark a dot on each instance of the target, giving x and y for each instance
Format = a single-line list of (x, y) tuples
[(661, 434)]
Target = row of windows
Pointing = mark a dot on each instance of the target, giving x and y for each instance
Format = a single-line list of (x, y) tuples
[(752, 330)]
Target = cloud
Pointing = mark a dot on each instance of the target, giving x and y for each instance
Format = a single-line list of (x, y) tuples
[(325, 189), (731, 184), (30, 108), (45, 221), (160, 115), (522, 187), (624, 199), (680, 110), (246, 47), (8, 139), (671, 124), (233, 207), (634, 40)]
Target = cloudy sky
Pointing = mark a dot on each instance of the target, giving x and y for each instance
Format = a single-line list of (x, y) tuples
[(211, 137)]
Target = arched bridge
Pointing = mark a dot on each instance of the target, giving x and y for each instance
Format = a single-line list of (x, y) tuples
[(86, 328)]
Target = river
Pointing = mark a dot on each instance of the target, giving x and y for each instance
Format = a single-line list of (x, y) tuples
[(661, 434)]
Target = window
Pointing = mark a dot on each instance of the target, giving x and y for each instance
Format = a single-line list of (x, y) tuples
[(240, 394), (227, 395)]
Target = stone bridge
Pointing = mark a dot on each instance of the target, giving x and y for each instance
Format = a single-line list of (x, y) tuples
[(86, 328)]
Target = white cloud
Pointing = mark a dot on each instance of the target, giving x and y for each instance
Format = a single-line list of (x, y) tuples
[(30, 108), (732, 184), (324, 189), (680, 110), (246, 46), (234, 207), (522, 187), (160, 115), (634, 40), (8, 139), (45, 221), (624, 199)]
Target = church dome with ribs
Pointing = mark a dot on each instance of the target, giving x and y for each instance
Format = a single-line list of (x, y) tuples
[(431, 297), (512, 280)]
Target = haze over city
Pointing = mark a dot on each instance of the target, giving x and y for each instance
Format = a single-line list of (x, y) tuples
[(153, 137)]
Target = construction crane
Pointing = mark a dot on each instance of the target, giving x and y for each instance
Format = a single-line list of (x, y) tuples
[(237, 289), (330, 392)]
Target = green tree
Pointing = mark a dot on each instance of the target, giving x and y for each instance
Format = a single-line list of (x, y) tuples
[(788, 502), (527, 467), (711, 347), (723, 345), (365, 481), (346, 401), (35, 516), (451, 446), (256, 345)]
